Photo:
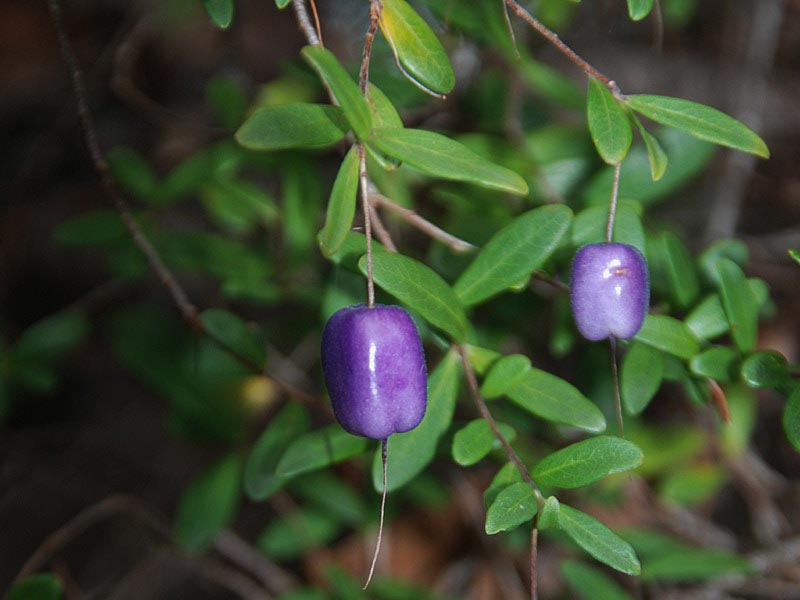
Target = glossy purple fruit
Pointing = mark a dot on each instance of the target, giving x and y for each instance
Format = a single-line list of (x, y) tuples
[(610, 291), (375, 370)]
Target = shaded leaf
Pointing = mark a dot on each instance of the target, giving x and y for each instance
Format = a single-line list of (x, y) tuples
[(512, 507), (332, 494), (549, 519), (639, 9), (739, 304), (475, 440), (693, 564), (318, 449), (288, 126), (52, 337), (586, 462), (220, 12), (655, 153), (791, 419), (608, 124), (669, 335), (341, 205), (589, 583), (43, 586), (508, 474), (234, 333), (503, 374), (132, 172), (598, 540), (766, 369), (718, 362), (640, 377), (707, 320), (293, 535), (692, 484)]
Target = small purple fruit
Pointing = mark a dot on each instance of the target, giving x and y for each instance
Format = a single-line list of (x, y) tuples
[(610, 291), (374, 368)]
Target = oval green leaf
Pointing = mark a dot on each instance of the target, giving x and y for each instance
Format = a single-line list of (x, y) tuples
[(589, 583), (439, 156), (421, 289), (503, 374), (699, 120), (718, 362), (341, 206), (513, 253), (410, 452), (639, 9), (669, 335), (766, 369), (344, 89), (739, 304), (586, 462), (553, 399), (656, 155), (598, 540), (679, 269), (707, 320), (608, 123), (640, 377), (290, 126), (512, 507), (220, 12), (416, 48), (318, 449), (475, 440)]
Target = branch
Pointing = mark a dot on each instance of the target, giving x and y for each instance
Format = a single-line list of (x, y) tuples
[(304, 21)]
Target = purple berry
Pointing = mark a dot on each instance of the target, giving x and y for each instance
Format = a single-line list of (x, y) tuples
[(375, 370), (610, 291)]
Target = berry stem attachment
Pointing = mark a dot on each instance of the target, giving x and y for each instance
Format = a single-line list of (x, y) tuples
[(612, 208), (384, 444), (612, 344)]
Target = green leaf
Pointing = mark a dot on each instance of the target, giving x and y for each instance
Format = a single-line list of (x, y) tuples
[(589, 226), (589, 583), (220, 12), (282, 3), (208, 505), (550, 517), (513, 253), (679, 269), (132, 172), (508, 474), (293, 535), (553, 399), (766, 369), (739, 304), (693, 564), (260, 477), (707, 320), (794, 255), (701, 121), (586, 462), (409, 453), (341, 205), (44, 586), (91, 229), (332, 494), (475, 440), (515, 505), (238, 206), (640, 378), (655, 153), (669, 335), (791, 419), (608, 123), (639, 9), (52, 337), (735, 250), (289, 126), (234, 333), (318, 449), (691, 485), (598, 540), (421, 289), (226, 98), (353, 105), (503, 374), (416, 47), (439, 156), (718, 362)]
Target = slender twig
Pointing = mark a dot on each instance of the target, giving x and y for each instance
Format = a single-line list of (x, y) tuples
[(553, 38), (510, 27), (380, 229), (658, 27), (384, 444), (550, 280), (534, 556), (612, 345), (487, 416), (316, 22), (412, 218), (612, 207), (374, 18), (304, 21)]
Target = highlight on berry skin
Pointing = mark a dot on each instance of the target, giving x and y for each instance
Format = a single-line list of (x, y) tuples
[(609, 291), (374, 368)]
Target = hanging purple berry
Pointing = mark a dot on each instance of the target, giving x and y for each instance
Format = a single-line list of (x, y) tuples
[(610, 291)]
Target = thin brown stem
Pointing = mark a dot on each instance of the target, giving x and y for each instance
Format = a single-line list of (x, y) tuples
[(510, 27), (455, 244), (550, 280), (304, 21), (553, 38), (384, 445), (612, 207), (380, 229), (534, 556), (316, 22), (658, 27), (374, 18), (612, 345), (487, 416)]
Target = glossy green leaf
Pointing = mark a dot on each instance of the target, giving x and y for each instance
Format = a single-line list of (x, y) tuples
[(208, 505), (318, 449), (598, 540), (260, 477), (589, 583), (693, 564), (52, 337), (589, 225), (669, 335), (553, 399), (766, 369), (513, 253), (791, 419), (416, 47), (43, 586), (409, 453), (341, 205), (220, 12), (720, 363), (503, 374), (701, 121), (421, 289), (608, 123), (551, 514), (508, 474), (439, 156), (679, 269), (739, 304), (639, 9), (707, 320), (586, 462), (293, 535), (640, 378), (291, 126), (352, 102), (475, 440), (234, 333), (512, 507)]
